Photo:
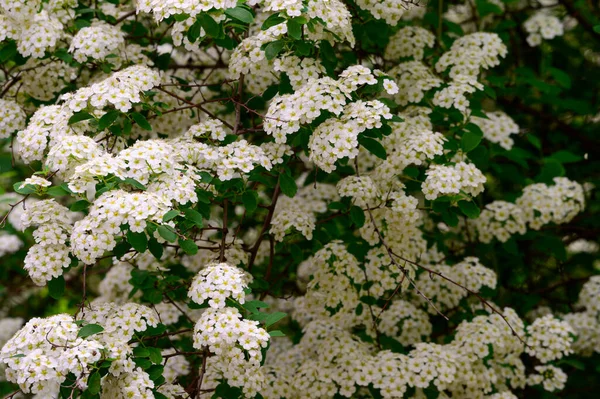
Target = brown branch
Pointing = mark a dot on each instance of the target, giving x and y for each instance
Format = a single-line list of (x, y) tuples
[(267, 222)]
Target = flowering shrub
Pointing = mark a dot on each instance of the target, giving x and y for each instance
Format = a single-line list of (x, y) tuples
[(299, 199)]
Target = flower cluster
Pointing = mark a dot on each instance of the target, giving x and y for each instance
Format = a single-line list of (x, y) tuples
[(500, 220), (414, 79), (361, 188), (444, 180), (550, 377), (96, 42), (12, 118), (470, 53), (217, 282), (389, 10), (542, 25), (44, 351), (409, 41), (165, 8), (549, 339), (497, 128), (9, 243)]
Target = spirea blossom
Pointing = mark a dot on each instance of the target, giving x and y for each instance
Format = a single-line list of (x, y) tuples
[(497, 128), (549, 339), (443, 180), (12, 118), (217, 282), (500, 220)]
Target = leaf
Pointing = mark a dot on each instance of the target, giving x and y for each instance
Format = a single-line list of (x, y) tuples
[(241, 14), (561, 77), (250, 200), (155, 248), (288, 185), (193, 33), (469, 141), (138, 241), (79, 206), (564, 156), (294, 29), (274, 318), (167, 232), (94, 383), (27, 189), (211, 28), (57, 191), (89, 329), (276, 333), (172, 214), (107, 119), (56, 287), (141, 120), (357, 215), (274, 19), (193, 216), (135, 183), (273, 48), (140, 351), (155, 355), (188, 246), (80, 116), (253, 306), (373, 146), (469, 209), (8, 51)]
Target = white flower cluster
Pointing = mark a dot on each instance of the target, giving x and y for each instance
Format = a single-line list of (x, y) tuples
[(469, 273), (389, 10), (550, 377), (135, 384), (121, 90), (35, 25), (97, 42), (165, 8), (50, 255), (443, 180), (409, 41), (589, 297), (44, 351), (9, 243), (406, 206), (95, 234), (469, 53), (497, 128), (542, 25), (43, 80), (414, 79), (12, 118), (217, 282), (549, 339), (404, 322), (287, 218), (500, 220), (558, 203), (453, 95), (361, 188), (237, 344)]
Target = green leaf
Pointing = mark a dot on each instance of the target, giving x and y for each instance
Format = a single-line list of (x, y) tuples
[(274, 48), (56, 287), (188, 246), (357, 215), (193, 33), (241, 14), (172, 214), (274, 19), (211, 28), (250, 200), (8, 51), (27, 189), (167, 232), (288, 185), (107, 119), (294, 29), (276, 333), (597, 30), (564, 156), (155, 248), (373, 146), (135, 183), (79, 206), (534, 140), (469, 209), (80, 116), (141, 120), (550, 169), (94, 383), (138, 241), (470, 140), (89, 329), (193, 216), (140, 351), (57, 191), (561, 77), (274, 318), (253, 306), (155, 355)]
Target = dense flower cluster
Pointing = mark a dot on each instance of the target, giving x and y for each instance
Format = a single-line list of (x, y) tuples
[(444, 180), (500, 220), (217, 282), (542, 25), (12, 118), (497, 128)]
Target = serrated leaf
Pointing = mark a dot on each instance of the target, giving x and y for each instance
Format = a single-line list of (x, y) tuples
[(469, 209), (188, 246), (107, 119), (193, 216), (138, 241), (288, 185), (357, 215), (241, 14), (167, 232), (373, 146), (274, 318), (89, 329), (274, 48), (80, 116), (56, 287), (141, 121)]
